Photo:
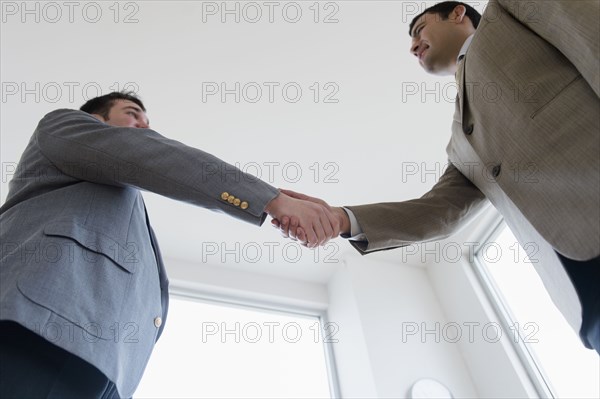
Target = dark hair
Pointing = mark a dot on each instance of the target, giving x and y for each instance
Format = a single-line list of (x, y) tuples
[(444, 9), (102, 105)]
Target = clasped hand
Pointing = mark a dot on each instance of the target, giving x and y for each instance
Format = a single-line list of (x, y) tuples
[(306, 219)]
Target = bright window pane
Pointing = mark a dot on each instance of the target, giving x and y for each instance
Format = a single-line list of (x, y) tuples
[(572, 371), (209, 350)]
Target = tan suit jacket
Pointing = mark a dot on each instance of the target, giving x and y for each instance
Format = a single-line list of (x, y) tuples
[(525, 135)]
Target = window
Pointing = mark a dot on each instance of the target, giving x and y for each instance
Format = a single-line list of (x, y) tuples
[(557, 361), (212, 350)]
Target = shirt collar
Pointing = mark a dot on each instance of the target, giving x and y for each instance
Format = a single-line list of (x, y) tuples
[(464, 48)]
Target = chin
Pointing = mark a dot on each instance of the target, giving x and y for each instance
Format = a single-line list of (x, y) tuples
[(436, 70), (428, 68)]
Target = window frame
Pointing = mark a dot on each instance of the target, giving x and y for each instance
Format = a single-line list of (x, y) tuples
[(269, 306), (541, 382)]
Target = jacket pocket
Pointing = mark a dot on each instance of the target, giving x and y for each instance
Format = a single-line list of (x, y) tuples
[(81, 275), (555, 97), (122, 254)]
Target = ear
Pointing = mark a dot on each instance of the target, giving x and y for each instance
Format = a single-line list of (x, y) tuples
[(99, 117), (459, 12)]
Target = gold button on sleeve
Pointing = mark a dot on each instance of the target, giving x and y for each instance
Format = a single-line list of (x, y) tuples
[(230, 199), (237, 202), (224, 195), (244, 205)]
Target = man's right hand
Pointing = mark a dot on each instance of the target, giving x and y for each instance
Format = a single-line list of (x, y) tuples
[(292, 227), (313, 223)]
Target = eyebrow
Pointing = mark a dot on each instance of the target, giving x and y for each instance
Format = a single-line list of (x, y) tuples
[(416, 27), (137, 109)]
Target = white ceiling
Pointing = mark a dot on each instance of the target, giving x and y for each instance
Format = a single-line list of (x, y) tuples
[(360, 145)]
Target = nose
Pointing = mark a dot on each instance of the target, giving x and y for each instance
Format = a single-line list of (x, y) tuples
[(142, 125), (414, 48)]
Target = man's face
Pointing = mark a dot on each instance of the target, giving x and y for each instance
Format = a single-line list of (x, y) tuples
[(125, 113), (437, 42)]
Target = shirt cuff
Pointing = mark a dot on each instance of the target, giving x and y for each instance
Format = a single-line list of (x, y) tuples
[(356, 233)]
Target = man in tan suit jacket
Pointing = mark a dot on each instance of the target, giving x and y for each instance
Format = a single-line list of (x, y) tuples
[(532, 150)]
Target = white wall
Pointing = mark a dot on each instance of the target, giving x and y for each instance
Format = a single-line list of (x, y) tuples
[(420, 312), (492, 361), (383, 300)]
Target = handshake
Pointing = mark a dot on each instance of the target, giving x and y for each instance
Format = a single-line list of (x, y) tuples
[(307, 219)]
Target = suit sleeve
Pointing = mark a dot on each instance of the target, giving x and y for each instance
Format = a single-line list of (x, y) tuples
[(435, 216), (86, 149), (570, 26)]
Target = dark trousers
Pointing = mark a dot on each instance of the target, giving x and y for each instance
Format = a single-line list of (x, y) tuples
[(586, 279), (32, 367)]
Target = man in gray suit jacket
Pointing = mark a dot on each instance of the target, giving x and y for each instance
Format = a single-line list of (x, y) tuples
[(531, 150), (84, 293)]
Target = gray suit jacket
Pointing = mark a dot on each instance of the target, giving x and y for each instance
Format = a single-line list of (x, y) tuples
[(525, 136), (80, 264)]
